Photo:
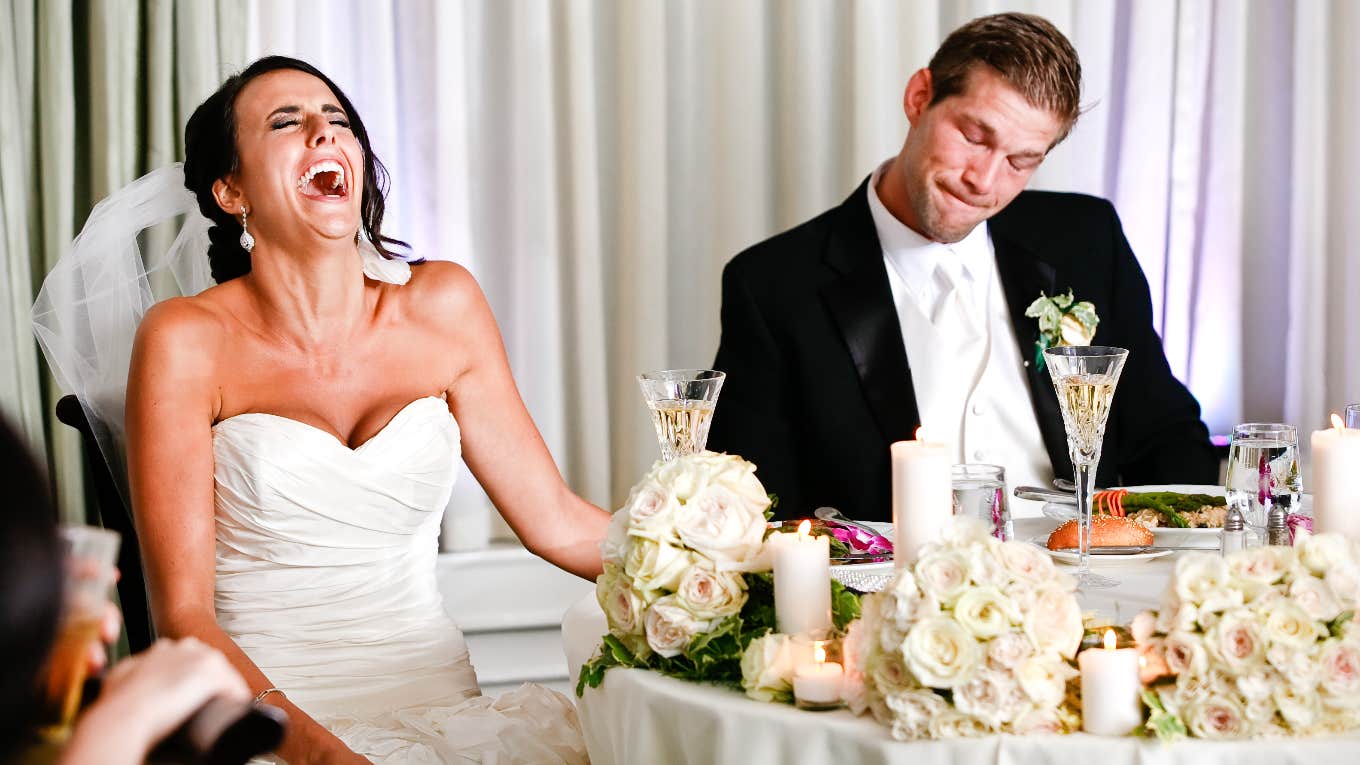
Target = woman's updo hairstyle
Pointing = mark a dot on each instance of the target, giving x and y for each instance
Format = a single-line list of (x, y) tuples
[(210, 154)]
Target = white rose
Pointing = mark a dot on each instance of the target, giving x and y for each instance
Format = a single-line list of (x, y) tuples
[(684, 476), (941, 653), (985, 568), (1236, 640), (670, 627), (1325, 553), (1299, 668), (986, 612), (655, 565), (912, 712), (1345, 582), (887, 672), (992, 697), (1024, 561), (1217, 717), (1009, 651), (739, 477), (943, 575), (1300, 707), (1315, 598), (1185, 654), (651, 512), (1288, 624), (855, 650), (767, 667), (614, 547), (1143, 626), (1073, 332), (1255, 686), (1045, 681), (952, 724), (1222, 600), (1054, 621), (622, 605), (964, 531), (1256, 568), (709, 594), (1341, 672), (1199, 574), (1037, 721), (717, 524)]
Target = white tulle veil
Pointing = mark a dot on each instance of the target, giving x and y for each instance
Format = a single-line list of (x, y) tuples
[(87, 312)]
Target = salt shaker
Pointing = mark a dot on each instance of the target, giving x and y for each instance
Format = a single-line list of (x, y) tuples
[(1234, 536), (1277, 527)]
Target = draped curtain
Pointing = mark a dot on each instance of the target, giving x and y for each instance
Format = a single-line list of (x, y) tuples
[(596, 163)]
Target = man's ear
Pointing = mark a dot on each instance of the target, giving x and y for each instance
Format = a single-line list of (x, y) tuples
[(229, 197), (916, 99)]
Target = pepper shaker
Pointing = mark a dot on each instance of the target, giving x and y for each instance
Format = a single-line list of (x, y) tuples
[(1277, 527)]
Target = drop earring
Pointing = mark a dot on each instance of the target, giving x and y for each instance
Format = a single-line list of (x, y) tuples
[(247, 241)]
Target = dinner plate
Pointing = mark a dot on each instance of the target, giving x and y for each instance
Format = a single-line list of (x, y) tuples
[(1103, 559), (1060, 511)]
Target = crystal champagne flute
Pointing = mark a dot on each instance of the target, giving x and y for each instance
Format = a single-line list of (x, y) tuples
[(1085, 377), (681, 402)]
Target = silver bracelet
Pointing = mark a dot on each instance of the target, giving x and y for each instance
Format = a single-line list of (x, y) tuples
[(260, 696)]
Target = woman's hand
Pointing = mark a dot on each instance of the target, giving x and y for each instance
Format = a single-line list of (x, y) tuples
[(146, 697)]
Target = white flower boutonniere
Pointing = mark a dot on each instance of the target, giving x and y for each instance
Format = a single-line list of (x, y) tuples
[(1062, 321)]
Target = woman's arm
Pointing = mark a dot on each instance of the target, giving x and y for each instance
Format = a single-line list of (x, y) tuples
[(172, 400), (500, 442)]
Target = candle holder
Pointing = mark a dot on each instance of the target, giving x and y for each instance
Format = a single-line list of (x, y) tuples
[(818, 675)]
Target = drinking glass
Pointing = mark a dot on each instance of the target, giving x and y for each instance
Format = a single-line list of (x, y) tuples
[(88, 574), (1263, 471), (681, 402), (1085, 377), (980, 492), (1353, 415)]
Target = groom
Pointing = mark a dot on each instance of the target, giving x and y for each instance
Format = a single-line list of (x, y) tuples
[(905, 306)]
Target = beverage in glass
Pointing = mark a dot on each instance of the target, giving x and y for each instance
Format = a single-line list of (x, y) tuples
[(681, 402), (1263, 471), (1084, 377), (980, 492), (88, 574), (1353, 415)]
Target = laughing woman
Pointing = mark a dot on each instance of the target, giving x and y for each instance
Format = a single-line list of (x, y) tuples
[(293, 436)]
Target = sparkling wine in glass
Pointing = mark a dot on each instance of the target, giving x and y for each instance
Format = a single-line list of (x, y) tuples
[(1085, 377), (681, 403)]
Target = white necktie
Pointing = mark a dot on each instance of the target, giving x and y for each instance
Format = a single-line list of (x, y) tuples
[(953, 312)]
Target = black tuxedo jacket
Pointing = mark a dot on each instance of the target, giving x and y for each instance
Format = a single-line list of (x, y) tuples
[(819, 383)]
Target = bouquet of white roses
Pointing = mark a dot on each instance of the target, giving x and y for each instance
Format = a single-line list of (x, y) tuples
[(976, 638), (684, 588), (1260, 643)]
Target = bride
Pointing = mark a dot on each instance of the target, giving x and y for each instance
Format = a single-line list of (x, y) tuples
[(292, 436)]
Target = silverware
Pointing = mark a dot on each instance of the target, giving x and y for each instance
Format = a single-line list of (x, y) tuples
[(1062, 484), (1045, 495), (832, 514)]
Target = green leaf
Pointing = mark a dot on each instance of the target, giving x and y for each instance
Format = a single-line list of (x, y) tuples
[(1338, 625), (845, 605), (1063, 301), (1036, 308), (1162, 723), (1085, 313)]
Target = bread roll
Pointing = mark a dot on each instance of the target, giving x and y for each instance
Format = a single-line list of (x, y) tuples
[(1106, 531)]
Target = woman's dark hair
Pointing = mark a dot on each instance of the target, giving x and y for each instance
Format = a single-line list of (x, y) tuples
[(210, 154), (30, 587)]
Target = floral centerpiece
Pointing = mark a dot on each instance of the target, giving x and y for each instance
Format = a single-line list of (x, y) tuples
[(976, 638), (686, 585), (1260, 643)]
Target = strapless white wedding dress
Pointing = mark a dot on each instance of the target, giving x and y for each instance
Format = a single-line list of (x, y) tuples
[(326, 579)]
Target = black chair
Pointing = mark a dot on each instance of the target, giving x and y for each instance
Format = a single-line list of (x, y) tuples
[(113, 514)]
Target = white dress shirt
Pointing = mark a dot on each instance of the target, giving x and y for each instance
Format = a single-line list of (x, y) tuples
[(966, 366)]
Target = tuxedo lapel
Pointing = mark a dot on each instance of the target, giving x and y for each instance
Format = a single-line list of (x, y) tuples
[(860, 302), (1023, 276)]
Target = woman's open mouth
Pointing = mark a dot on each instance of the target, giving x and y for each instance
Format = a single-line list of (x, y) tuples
[(325, 179)]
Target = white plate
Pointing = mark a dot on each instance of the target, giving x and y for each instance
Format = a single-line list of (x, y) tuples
[(1096, 561), (1065, 512)]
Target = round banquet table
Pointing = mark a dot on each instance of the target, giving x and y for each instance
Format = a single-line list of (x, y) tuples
[(637, 717)]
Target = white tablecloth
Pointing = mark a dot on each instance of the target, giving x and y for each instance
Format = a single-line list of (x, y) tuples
[(637, 717)]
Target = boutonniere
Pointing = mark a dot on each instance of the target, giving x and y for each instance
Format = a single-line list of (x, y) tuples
[(1062, 321)]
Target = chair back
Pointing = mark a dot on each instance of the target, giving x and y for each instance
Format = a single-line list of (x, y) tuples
[(111, 513)]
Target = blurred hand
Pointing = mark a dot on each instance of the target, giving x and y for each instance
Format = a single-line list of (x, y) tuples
[(146, 697)]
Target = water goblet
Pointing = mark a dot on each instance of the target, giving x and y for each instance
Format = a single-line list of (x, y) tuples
[(681, 402), (1085, 377), (1263, 472), (980, 492)]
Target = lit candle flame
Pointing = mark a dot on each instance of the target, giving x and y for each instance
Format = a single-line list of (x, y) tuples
[(1337, 423), (804, 529), (1109, 640), (920, 434), (818, 653)]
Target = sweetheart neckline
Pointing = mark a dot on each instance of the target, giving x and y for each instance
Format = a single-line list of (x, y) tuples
[(329, 435)]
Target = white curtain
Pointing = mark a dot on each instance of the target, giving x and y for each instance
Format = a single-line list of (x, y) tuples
[(596, 163)]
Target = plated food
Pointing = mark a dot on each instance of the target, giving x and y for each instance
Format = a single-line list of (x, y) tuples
[(1162, 509), (1106, 531)]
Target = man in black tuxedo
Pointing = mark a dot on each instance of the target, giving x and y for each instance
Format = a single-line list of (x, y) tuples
[(817, 322)]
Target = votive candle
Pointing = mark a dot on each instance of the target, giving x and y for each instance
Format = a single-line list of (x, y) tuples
[(819, 683)]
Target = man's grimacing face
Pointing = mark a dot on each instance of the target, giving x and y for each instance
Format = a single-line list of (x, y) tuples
[(970, 155)]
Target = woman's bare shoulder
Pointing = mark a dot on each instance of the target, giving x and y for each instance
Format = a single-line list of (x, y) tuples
[(187, 329), (445, 289)]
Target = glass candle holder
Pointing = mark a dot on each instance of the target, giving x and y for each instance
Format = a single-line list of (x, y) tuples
[(818, 675)]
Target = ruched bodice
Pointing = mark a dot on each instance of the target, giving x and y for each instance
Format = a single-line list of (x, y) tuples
[(326, 579)]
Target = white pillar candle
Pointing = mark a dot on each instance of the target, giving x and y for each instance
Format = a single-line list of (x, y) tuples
[(802, 581), (922, 495), (819, 681), (1110, 689), (1336, 480)]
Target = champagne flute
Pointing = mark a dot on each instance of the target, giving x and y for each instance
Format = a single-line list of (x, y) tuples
[(1085, 377), (681, 402)]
